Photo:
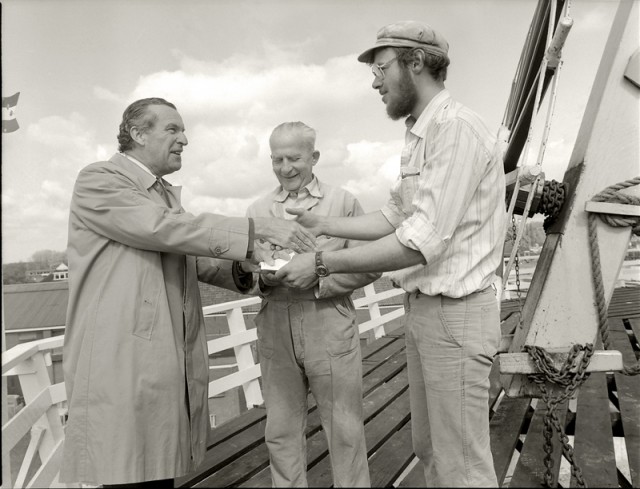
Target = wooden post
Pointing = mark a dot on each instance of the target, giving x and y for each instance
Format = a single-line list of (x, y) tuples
[(34, 378), (374, 313), (560, 308), (244, 357)]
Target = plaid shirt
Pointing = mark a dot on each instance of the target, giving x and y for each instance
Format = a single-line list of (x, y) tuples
[(449, 201)]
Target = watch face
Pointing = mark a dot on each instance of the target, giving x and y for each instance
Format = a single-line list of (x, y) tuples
[(321, 268), (321, 271)]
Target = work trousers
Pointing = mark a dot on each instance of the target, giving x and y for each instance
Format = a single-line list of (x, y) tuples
[(450, 348), (312, 345)]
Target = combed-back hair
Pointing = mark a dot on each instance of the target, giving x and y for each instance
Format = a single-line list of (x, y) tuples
[(308, 133), (137, 115)]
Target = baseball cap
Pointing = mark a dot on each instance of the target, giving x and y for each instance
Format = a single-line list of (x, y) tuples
[(408, 34)]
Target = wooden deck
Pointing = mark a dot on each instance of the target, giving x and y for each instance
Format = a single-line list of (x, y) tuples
[(607, 409)]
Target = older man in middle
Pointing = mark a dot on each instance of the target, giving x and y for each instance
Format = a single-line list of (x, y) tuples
[(308, 339)]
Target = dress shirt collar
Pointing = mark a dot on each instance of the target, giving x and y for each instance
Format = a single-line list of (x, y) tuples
[(162, 181), (312, 188), (418, 127)]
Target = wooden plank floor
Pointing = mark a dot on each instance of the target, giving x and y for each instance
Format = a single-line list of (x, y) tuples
[(608, 406)]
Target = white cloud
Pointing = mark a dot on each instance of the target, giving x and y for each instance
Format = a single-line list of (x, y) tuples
[(39, 170), (102, 93), (230, 108)]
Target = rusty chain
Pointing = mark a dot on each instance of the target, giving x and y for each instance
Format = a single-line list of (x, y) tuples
[(570, 377)]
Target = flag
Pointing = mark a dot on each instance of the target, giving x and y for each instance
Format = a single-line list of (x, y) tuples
[(9, 122)]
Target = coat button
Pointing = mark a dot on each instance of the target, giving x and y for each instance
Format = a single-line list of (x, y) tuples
[(218, 250)]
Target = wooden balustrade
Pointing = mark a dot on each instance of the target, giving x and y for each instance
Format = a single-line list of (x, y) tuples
[(43, 413)]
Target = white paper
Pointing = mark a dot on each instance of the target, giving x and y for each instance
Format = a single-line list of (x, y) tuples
[(277, 265)]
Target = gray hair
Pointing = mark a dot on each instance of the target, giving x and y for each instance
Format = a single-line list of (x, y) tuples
[(308, 133), (137, 115)]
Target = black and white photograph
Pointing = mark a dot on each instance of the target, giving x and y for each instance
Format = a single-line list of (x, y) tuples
[(308, 243)]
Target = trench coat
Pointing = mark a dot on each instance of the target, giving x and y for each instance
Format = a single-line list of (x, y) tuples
[(136, 379)]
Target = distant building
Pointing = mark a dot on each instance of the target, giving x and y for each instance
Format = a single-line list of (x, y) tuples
[(51, 274)]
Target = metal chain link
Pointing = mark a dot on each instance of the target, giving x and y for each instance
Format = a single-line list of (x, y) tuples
[(516, 264), (553, 197), (570, 376)]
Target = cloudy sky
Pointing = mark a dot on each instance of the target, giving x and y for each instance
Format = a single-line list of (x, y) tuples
[(235, 69)]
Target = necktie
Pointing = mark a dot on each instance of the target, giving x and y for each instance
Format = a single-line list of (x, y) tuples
[(163, 191)]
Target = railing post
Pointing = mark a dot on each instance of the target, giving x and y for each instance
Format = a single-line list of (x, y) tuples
[(34, 378), (244, 357), (374, 312), (6, 459)]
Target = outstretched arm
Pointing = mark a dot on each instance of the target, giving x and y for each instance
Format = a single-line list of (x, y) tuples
[(382, 255), (366, 227), (287, 234)]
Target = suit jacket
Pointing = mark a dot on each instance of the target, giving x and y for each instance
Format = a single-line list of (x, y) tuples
[(135, 354)]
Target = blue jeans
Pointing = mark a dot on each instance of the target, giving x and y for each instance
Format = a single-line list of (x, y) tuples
[(450, 349), (314, 345)]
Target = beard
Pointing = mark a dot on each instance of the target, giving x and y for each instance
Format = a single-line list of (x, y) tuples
[(401, 106)]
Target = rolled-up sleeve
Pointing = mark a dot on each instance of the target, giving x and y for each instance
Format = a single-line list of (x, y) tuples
[(451, 171)]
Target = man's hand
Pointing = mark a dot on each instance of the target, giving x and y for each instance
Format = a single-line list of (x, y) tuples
[(312, 222), (261, 254), (299, 272), (270, 279), (286, 234)]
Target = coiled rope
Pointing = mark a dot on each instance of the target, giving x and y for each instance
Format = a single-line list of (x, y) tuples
[(610, 194)]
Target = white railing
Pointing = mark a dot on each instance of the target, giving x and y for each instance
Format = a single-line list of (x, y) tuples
[(40, 415), (43, 413)]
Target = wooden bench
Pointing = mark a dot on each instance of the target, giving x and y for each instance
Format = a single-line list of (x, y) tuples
[(607, 408)]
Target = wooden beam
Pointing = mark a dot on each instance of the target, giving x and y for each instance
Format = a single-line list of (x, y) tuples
[(560, 308), (612, 208), (522, 363)]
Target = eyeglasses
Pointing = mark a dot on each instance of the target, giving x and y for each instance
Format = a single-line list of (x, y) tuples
[(378, 70)]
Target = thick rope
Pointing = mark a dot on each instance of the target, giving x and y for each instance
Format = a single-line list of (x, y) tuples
[(610, 194)]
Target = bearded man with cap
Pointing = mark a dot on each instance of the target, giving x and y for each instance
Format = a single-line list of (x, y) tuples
[(441, 232)]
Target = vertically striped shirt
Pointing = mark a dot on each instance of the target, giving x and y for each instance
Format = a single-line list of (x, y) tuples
[(449, 201)]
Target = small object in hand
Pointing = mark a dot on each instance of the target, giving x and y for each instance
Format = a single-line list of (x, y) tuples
[(277, 264)]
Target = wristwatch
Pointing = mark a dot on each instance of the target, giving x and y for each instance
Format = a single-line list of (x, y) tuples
[(321, 268)]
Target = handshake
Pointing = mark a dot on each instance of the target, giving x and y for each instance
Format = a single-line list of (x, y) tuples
[(277, 241), (285, 238)]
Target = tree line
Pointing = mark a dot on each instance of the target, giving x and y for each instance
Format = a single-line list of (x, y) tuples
[(16, 273)]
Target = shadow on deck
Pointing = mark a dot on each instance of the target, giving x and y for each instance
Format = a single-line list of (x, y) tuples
[(603, 425)]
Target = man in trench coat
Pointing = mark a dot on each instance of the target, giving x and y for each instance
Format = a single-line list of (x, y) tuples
[(135, 353)]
